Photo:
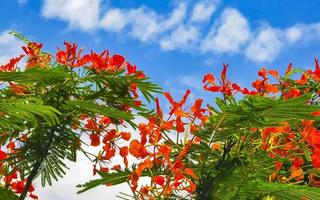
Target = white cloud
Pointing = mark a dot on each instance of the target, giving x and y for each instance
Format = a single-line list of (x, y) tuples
[(144, 24), (114, 20), (265, 46), (181, 38), (302, 32), (293, 34), (183, 27), (230, 33), (83, 14), (176, 17), (203, 10), (9, 47)]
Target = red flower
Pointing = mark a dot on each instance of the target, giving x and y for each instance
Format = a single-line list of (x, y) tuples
[(105, 121), (11, 66), (111, 135), (158, 180), (109, 154), (272, 88), (11, 145), (124, 151), (263, 73), (70, 57), (116, 61), (125, 135), (196, 109), (159, 111), (176, 105), (3, 155), (92, 125), (288, 69), (179, 125), (274, 73), (95, 140), (208, 78), (225, 85), (131, 69), (103, 61), (18, 187), (36, 58)]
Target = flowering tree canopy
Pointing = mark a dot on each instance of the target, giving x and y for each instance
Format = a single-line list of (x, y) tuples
[(262, 143)]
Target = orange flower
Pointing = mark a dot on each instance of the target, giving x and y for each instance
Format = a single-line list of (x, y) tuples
[(174, 104), (159, 111), (215, 146), (124, 151), (274, 73), (190, 172), (36, 57), (297, 174), (17, 89), (125, 135), (272, 88), (137, 149), (278, 165), (225, 85), (196, 109)]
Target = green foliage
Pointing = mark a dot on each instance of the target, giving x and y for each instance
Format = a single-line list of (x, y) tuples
[(239, 170), (33, 75), (17, 113), (260, 189), (7, 194), (93, 108), (257, 111)]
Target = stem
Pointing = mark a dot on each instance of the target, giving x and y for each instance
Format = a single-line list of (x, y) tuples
[(37, 165)]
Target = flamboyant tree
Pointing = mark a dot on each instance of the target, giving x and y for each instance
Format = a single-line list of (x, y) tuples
[(262, 145), (50, 104), (248, 144)]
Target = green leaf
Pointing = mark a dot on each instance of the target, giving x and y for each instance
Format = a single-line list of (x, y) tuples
[(113, 178), (19, 36)]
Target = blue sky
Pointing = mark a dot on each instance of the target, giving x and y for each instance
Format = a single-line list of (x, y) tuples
[(174, 42)]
